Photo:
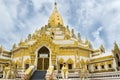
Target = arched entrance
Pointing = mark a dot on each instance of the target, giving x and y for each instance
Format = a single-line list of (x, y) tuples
[(43, 58)]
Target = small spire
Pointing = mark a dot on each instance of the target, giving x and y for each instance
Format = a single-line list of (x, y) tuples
[(102, 48), (116, 48), (1, 49), (115, 45), (55, 6), (79, 37), (14, 45), (29, 36), (21, 42), (73, 34)]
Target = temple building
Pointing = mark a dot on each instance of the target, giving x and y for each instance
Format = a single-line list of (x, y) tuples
[(55, 44)]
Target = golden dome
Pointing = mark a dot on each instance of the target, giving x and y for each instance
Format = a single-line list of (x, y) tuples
[(55, 19)]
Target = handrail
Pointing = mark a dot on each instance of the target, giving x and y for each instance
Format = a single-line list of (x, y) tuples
[(28, 73), (106, 75), (50, 71)]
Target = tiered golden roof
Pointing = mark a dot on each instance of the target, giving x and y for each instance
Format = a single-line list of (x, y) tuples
[(55, 19)]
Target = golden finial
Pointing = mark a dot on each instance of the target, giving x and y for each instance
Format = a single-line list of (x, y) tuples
[(55, 6), (55, 2)]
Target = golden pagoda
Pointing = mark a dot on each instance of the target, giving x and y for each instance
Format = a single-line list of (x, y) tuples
[(55, 44), (55, 19)]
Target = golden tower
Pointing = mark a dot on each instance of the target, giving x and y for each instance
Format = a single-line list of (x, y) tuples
[(55, 19)]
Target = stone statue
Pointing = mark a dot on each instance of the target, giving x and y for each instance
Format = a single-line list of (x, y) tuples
[(64, 71), (9, 73), (83, 73)]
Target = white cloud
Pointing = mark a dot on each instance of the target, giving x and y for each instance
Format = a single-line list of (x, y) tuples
[(39, 3), (110, 19), (98, 40), (5, 20), (89, 17), (7, 25), (93, 14)]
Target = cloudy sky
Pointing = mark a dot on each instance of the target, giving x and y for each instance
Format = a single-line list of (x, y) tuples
[(99, 20)]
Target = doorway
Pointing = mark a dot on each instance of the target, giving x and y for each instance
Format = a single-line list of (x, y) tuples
[(43, 58)]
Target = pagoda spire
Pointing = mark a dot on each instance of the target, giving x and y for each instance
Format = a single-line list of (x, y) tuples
[(116, 48), (55, 6), (55, 2), (55, 19)]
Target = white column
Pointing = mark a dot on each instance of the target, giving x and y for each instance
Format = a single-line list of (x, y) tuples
[(0, 67), (92, 68), (50, 60), (114, 64), (23, 64), (99, 68), (106, 66), (36, 60)]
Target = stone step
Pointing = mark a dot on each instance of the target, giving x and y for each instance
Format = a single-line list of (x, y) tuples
[(38, 75)]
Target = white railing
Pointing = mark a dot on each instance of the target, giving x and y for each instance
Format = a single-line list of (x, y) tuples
[(70, 75), (105, 75), (94, 76)]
